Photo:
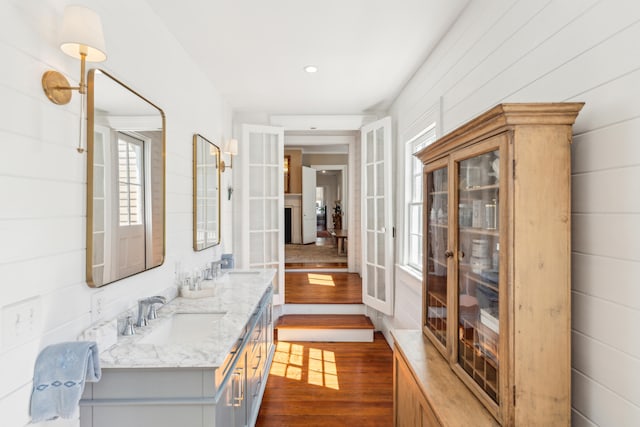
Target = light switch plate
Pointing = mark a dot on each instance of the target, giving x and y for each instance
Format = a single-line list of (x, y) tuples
[(21, 321)]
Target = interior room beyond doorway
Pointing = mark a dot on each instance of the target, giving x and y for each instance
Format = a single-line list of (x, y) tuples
[(328, 194)]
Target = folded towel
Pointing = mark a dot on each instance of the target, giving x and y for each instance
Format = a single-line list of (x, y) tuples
[(59, 376)]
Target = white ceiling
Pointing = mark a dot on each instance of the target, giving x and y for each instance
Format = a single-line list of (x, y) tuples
[(254, 51)]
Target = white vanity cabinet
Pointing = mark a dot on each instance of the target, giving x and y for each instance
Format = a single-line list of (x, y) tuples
[(227, 395), (241, 395)]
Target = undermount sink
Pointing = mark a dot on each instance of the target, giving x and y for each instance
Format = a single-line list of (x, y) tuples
[(184, 328)]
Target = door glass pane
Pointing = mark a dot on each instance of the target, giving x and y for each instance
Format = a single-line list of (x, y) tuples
[(478, 270), (256, 249), (370, 214), (256, 148), (272, 216), (255, 214), (380, 248), (371, 288), (436, 274), (271, 149), (371, 247), (271, 246), (379, 144), (271, 181), (380, 214), (370, 147), (256, 181), (379, 182), (380, 284), (370, 181)]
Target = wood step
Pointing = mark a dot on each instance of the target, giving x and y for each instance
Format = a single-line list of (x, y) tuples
[(325, 328), (331, 309), (324, 321)]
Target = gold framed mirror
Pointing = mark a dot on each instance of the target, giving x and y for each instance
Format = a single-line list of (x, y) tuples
[(206, 193), (125, 181)]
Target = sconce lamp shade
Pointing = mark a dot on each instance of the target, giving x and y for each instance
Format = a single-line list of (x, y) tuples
[(82, 33), (232, 147)]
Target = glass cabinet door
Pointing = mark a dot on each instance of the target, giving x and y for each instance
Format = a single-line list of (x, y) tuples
[(478, 269), (436, 250)]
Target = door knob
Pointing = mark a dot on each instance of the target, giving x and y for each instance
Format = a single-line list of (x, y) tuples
[(448, 254)]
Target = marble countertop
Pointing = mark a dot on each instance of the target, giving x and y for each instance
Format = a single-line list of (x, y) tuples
[(238, 294)]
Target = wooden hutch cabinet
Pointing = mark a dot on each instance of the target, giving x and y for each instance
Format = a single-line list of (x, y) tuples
[(497, 259)]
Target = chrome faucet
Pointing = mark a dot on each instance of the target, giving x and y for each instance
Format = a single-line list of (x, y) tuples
[(147, 309)]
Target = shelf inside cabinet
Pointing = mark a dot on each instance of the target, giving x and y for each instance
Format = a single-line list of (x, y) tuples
[(477, 278), (481, 231), (438, 225), (438, 262), (480, 187), (438, 193)]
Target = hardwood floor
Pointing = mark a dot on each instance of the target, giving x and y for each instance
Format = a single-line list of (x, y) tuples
[(322, 288), (329, 385)]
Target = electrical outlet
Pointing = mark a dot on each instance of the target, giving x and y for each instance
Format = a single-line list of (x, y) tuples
[(97, 306), (21, 321)]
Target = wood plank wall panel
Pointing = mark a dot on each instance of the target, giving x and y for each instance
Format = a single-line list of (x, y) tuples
[(563, 50), (43, 178)]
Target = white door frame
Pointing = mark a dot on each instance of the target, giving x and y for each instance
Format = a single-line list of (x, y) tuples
[(309, 226)]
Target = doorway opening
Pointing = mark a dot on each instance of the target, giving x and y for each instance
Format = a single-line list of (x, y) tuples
[(319, 208)]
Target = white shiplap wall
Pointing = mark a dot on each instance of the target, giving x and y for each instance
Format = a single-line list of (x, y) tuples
[(563, 50), (43, 183)]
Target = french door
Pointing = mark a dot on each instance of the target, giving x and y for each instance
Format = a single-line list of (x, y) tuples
[(377, 220), (261, 200)]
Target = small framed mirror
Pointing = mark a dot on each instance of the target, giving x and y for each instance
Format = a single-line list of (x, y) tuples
[(206, 193), (125, 181), (287, 177)]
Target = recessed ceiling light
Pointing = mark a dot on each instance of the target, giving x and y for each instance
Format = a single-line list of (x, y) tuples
[(311, 69)]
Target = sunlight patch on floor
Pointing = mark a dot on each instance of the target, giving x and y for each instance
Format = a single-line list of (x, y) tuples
[(289, 362), (321, 279)]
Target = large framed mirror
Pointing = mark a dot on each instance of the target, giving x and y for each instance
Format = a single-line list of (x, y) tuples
[(125, 181), (206, 193)]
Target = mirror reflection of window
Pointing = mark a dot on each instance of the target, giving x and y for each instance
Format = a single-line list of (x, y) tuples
[(130, 179)]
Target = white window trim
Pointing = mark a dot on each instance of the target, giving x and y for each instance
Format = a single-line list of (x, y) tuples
[(425, 137)]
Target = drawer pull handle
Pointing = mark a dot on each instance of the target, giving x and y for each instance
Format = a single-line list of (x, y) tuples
[(237, 379)]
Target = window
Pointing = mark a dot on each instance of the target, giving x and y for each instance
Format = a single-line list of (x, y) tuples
[(413, 251), (130, 180)]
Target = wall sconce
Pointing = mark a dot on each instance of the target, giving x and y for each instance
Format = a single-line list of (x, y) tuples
[(82, 38), (231, 148)]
